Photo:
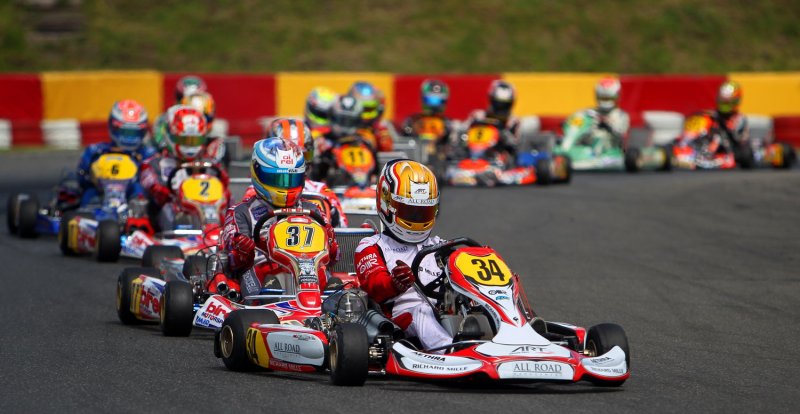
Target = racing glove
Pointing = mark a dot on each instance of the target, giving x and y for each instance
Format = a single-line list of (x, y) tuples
[(242, 252), (161, 194), (402, 277)]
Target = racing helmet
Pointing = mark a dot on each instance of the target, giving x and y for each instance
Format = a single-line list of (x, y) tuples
[(318, 107), (127, 124), (434, 96), (346, 116), (606, 92), (294, 130), (371, 99), (729, 97), (202, 101), (501, 99), (186, 131), (408, 200), (278, 171), (188, 85)]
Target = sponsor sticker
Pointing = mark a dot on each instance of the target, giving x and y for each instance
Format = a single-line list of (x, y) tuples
[(535, 370)]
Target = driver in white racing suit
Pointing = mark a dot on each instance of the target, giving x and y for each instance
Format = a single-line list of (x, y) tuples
[(408, 202), (611, 122)]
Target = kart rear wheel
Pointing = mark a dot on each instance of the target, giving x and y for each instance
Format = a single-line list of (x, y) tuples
[(348, 355), (544, 171), (177, 309), (195, 265), (787, 156), (108, 244), (154, 254), (26, 218), (230, 342), (125, 292), (567, 170), (601, 339), (633, 160), (744, 156), (11, 213), (63, 232), (667, 166)]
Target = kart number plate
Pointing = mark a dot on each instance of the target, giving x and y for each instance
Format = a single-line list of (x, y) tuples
[(299, 237), (114, 167), (486, 270), (429, 127), (205, 190), (483, 136), (356, 157)]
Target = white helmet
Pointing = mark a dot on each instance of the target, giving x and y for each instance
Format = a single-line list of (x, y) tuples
[(607, 93)]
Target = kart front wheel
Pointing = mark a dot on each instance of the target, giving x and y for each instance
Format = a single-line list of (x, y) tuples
[(348, 353), (125, 292), (544, 171), (177, 309), (667, 166), (601, 339), (11, 213), (231, 342), (633, 160), (27, 211), (108, 243), (153, 255)]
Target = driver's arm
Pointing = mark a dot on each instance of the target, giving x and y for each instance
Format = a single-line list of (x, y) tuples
[(373, 273)]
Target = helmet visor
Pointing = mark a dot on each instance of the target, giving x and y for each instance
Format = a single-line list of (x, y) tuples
[(190, 141), (271, 177), (128, 136), (318, 116), (415, 213), (433, 101)]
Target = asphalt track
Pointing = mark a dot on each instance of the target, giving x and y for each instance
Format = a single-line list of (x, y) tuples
[(702, 270)]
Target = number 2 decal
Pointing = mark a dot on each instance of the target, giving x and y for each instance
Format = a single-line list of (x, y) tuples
[(204, 190)]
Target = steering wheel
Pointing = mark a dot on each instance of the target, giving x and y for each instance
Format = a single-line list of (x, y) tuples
[(441, 250), (313, 214)]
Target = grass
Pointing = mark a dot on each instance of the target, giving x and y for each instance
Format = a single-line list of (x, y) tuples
[(414, 36)]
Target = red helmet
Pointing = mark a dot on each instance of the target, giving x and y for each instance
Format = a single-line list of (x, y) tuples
[(127, 124), (607, 93), (187, 132)]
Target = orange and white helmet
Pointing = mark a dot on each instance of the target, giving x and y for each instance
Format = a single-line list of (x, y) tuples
[(295, 130), (607, 93), (408, 200)]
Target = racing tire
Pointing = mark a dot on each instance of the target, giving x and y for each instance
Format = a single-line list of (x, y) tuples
[(744, 157), (348, 355), (632, 157), (177, 309), (27, 211), (788, 157), (154, 254), (11, 213), (544, 171), (230, 342), (108, 243), (667, 166), (124, 292), (63, 233), (195, 265), (601, 339)]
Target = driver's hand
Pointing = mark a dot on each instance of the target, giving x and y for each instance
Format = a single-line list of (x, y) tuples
[(243, 251), (402, 277)]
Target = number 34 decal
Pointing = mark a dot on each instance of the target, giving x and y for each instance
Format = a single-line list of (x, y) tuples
[(487, 269)]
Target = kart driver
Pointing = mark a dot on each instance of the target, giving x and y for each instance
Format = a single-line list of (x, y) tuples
[(611, 122), (373, 103), (732, 124), (434, 94), (317, 113), (408, 202), (127, 126), (278, 175), (298, 132), (501, 101), (186, 86), (186, 141)]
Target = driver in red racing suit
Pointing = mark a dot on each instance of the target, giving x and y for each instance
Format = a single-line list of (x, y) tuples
[(408, 202), (278, 175)]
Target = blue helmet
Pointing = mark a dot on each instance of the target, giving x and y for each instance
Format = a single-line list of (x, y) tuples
[(370, 98), (127, 124), (278, 171)]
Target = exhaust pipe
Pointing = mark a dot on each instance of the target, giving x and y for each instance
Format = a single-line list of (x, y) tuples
[(233, 295), (222, 288)]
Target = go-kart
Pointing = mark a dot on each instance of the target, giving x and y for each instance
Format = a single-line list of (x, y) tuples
[(351, 177), (485, 165), (177, 294), (581, 131), (477, 299), (201, 198), (430, 132), (701, 146)]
